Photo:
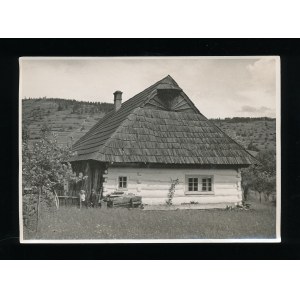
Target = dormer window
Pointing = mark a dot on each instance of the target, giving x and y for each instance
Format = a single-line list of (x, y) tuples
[(170, 98)]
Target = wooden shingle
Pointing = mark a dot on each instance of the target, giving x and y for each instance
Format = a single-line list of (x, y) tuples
[(138, 133)]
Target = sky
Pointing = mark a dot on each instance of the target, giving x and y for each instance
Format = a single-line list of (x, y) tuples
[(239, 87)]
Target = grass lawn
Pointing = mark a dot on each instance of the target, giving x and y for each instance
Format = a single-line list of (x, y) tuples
[(122, 223)]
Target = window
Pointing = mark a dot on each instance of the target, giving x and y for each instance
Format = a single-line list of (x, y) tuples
[(122, 182), (197, 184), (193, 184), (206, 185)]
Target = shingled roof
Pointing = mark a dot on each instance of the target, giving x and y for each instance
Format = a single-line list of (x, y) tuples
[(159, 125)]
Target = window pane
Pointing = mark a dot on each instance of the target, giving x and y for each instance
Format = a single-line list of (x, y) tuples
[(122, 182), (203, 184), (209, 184)]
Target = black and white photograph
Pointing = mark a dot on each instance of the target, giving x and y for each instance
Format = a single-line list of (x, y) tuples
[(149, 149)]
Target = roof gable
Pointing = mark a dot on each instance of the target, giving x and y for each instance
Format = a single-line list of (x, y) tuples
[(100, 132), (159, 125), (170, 100)]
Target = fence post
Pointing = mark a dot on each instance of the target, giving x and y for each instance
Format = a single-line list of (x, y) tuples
[(56, 200)]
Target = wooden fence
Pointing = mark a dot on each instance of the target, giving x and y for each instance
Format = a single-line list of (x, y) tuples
[(68, 199)]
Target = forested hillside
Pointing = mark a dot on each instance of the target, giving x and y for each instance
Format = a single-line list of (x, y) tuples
[(254, 134), (68, 119)]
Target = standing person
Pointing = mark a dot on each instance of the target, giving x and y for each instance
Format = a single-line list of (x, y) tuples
[(93, 199), (82, 199)]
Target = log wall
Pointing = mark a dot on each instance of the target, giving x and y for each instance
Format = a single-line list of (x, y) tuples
[(153, 184)]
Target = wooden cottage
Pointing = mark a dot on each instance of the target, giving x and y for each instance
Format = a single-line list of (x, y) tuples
[(156, 138)]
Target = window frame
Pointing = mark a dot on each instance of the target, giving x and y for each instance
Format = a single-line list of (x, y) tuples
[(119, 181), (194, 183), (200, 191)]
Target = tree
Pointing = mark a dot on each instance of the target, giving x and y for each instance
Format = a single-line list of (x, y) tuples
[(268, 161), (60, 107), (45, 167), (261, 177), (270, 185), (267, 171), (252, 147), (45, 130), (247, 182), (259, 182)]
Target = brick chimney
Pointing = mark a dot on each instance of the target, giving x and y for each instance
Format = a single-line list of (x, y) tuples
[(117, 100)]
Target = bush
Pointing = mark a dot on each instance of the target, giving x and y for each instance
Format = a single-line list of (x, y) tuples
[(172, 191)]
